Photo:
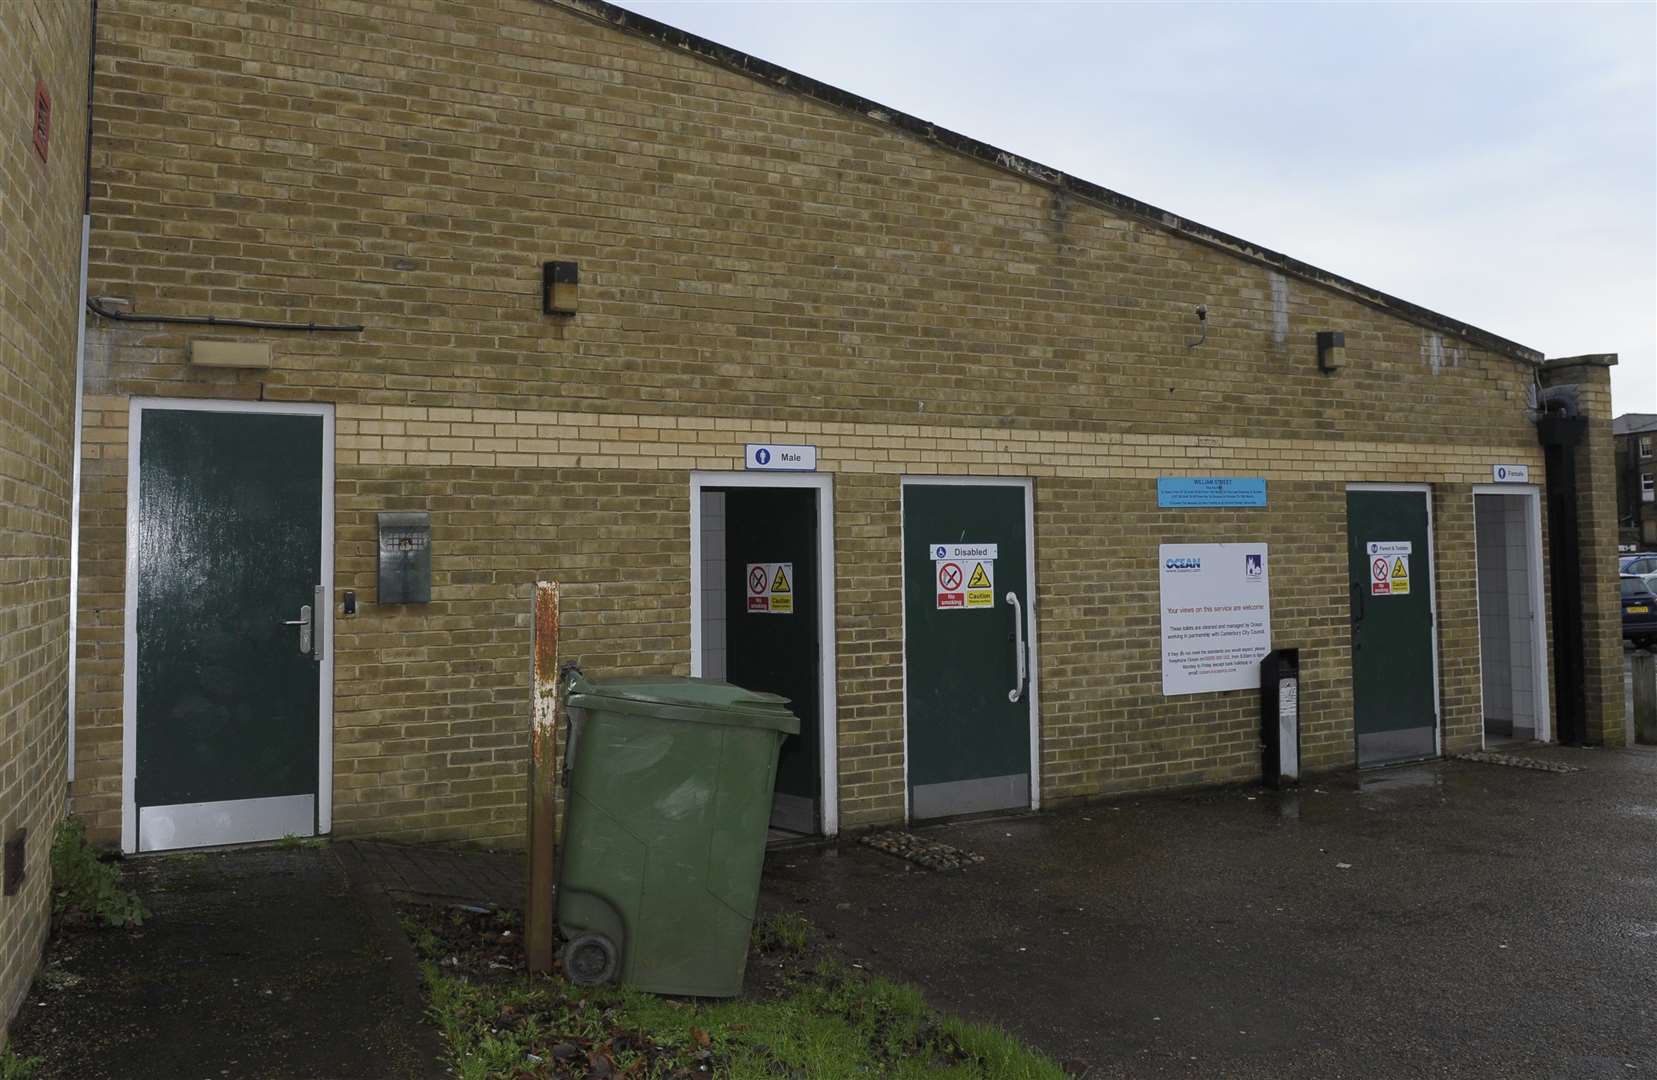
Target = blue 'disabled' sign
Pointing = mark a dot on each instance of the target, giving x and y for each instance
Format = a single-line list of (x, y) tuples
[(1192, 491)]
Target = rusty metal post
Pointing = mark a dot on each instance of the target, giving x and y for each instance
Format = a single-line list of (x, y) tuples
[(539, 931)]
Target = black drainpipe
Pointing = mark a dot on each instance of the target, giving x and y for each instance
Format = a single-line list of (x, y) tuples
[(91, 74), (1560, 436)]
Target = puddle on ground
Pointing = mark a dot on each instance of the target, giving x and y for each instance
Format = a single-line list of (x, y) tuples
[(1390, 780)]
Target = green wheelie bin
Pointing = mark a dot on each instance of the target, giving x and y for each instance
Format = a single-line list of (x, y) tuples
[(668, 787)]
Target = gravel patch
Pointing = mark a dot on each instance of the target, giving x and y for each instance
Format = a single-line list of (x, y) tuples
[(1490, 757), (932, 854)]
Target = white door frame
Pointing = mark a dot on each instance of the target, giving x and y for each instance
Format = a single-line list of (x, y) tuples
[(823, 485), (1426, 492), (1030, 632), (1538, 638), (324, 627)]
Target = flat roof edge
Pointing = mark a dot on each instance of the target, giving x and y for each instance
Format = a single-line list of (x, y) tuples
[(776, 75), (1608, 359)]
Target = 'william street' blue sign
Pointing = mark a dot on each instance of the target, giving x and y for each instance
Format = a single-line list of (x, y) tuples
[(1185, 491)]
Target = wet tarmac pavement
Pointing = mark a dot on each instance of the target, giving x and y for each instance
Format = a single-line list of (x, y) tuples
[(255, 964), (1445, 919)]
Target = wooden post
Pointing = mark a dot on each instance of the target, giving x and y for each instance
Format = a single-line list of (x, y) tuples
[(539, 929), (1645, 697)]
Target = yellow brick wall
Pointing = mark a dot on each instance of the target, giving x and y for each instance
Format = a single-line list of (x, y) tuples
[(40, 245), (755, 266)]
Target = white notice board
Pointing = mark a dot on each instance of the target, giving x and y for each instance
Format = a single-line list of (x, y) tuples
[(1216, 616)]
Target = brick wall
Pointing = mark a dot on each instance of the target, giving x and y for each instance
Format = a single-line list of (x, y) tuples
[(755, 266), (40, 238), (1596, 476)]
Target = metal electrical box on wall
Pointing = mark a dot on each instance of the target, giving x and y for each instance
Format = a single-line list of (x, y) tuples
[(405, 559)]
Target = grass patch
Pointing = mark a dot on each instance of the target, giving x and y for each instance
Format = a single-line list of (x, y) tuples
[(825, 1020), (83, 884), (784, 931), (13, 1067)]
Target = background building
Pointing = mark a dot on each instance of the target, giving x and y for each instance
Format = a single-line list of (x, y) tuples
[(1635, 435), (979, 350)]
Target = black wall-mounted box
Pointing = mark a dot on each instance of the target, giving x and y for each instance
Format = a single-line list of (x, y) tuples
[(1280, 718)]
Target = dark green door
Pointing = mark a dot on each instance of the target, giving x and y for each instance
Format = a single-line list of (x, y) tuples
[(966, 683), (228, 549), (775, 646), (1392, 625)]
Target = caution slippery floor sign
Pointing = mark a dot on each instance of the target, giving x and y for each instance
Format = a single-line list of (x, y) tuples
[(981, 584)]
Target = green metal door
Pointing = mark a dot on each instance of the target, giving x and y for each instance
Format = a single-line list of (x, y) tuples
[(227, 550), (966, 647), (1390, 573), (772, 649)]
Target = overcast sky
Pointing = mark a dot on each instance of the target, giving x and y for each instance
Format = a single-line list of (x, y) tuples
[(1493, 162)]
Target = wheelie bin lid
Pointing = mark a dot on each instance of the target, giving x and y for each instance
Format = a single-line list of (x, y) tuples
[(676, 697)]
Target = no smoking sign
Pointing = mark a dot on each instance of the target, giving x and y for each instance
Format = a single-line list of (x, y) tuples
[(950, 593)]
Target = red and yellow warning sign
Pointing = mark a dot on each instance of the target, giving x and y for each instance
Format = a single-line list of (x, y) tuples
[(965, 583), (981, 584), (1400, 576), (782, 590), (1389, 575), (770, 588), (950, 580)]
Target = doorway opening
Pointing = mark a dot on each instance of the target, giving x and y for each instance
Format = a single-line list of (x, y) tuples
[(1512, 656), (762, 617)]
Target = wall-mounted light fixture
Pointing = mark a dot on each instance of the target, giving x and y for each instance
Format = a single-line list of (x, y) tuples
[(1331, 350), (559, 282), (1202, 324)]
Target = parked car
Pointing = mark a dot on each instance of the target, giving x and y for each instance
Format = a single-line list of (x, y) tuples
[(1641, 563), (1637, 562), (1639, 611)]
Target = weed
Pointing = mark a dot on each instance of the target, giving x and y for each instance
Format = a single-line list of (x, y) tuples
[(783, 931), (13, 1067), (289, 840), (84, 883)]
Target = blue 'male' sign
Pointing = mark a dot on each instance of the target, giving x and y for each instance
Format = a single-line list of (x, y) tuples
[(1178, 491)]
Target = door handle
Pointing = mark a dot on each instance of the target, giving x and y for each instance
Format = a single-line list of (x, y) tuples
[(319, 630), (304, 624), (1018, 648)]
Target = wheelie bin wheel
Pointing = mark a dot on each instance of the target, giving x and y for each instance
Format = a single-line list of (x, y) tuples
[(590, 960)]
